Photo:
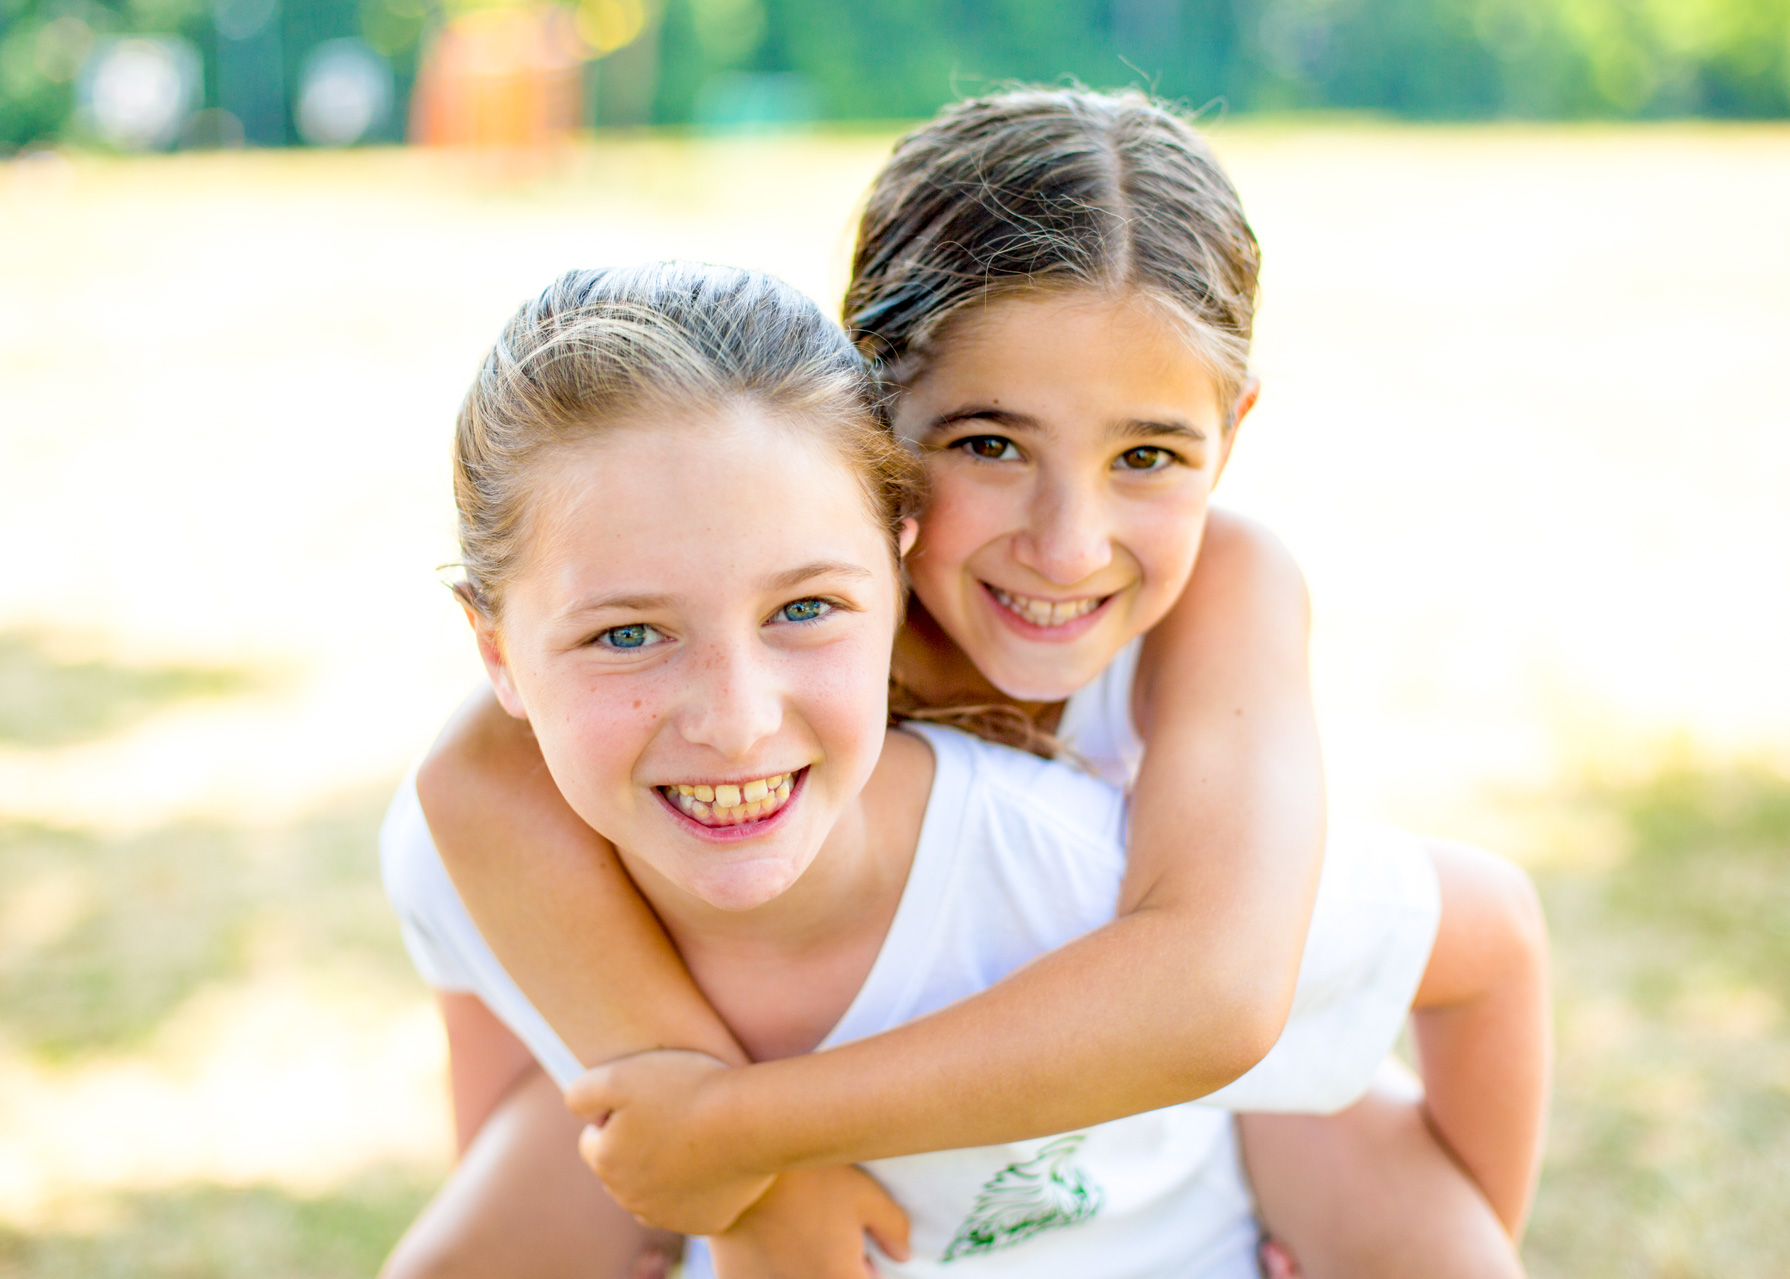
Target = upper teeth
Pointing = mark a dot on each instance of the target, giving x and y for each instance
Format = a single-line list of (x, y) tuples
[(1045, 612), (730, 803)]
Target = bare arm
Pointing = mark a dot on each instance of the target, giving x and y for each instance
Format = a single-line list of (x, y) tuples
[(1188, 987), (552, 899)]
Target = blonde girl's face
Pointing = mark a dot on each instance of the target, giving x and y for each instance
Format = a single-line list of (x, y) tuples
[(700, 639), (1072, 441)]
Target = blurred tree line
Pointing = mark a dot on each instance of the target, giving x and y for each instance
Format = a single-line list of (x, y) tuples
[(722, 62)]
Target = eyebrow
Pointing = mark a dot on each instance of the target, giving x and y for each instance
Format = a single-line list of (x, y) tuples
[(625, 603), (1137, 428), (820, 568), (984, 413)]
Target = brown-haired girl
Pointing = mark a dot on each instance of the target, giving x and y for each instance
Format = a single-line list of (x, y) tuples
[(1059, 289)]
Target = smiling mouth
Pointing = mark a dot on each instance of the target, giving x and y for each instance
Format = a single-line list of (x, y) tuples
[(733, 803), (1045, 613)]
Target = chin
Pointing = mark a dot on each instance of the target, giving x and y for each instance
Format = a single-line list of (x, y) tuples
[(1036, 682), (746, 886)]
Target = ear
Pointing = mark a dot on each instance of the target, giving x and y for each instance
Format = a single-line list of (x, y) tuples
[(496, 667), (1252, 390), (910, 531)]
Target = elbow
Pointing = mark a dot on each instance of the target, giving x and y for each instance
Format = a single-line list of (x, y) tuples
[(1258, 1028), (1231, 1045)]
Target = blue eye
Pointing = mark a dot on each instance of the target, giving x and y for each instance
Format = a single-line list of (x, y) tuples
[(990, 448), (1146, 458), (635, 635), (804, 611)]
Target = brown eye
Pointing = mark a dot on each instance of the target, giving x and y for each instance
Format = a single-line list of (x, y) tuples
[(1145, 458), (993, 448)]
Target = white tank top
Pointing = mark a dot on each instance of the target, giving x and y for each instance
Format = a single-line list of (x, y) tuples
[(1097, 722)]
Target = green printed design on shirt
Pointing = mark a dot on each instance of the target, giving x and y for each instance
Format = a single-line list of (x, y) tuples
[(1027, 1198)]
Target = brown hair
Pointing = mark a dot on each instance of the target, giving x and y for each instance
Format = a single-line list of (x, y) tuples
[(1053, 188), (601, 345)]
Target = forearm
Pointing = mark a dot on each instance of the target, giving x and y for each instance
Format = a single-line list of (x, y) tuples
[(552, 900), (1190, 986), (1036, 1054)]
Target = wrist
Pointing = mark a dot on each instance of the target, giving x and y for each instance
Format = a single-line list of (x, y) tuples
[(754, 1134)]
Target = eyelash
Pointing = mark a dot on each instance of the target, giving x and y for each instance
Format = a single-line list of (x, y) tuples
[(964, 446), (827, 608), (602, 638), (1168, 457)]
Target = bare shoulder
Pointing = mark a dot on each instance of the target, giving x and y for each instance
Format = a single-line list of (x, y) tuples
[(481, 756), (1241, 553), (1246, 589)]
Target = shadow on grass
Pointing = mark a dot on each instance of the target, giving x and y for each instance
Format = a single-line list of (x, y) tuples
[(216, 1232), (1670, 1150), (102, 938), (46, 702)]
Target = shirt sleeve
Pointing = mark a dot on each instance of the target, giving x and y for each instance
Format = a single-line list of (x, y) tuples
[(420, 891), (1372, 930)]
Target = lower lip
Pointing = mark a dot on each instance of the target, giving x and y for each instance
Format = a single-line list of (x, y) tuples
[(744, 831), (1064, 634)]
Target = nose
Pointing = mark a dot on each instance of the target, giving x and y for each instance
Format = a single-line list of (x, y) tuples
[(732, 702), (1066, 539)]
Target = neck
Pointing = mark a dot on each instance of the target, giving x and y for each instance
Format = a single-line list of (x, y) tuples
[(936, 673), (783, 973)]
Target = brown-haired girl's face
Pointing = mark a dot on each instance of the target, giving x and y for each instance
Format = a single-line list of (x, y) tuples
[(1072, 441), (699, 634)]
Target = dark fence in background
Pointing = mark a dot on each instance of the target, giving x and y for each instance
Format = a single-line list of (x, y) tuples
[(144, 74)]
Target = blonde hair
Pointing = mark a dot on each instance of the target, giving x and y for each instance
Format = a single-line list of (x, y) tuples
[(1053, 189), (600, 346)]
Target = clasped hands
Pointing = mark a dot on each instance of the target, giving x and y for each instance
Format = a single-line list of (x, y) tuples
[(660, 1138)]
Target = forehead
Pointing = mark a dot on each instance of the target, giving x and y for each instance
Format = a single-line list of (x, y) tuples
[(1082, 350), (694, 496)]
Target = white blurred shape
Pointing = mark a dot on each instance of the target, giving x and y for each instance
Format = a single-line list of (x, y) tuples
[(137, 92), (345, 91)]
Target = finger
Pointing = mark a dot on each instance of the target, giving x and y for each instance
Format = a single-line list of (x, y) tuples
[(1277, 1262), (590, 1145), (592, 1095), (883, 1219)]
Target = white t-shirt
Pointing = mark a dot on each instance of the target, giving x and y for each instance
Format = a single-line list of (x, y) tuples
[(1096, 720), (1018, 856)]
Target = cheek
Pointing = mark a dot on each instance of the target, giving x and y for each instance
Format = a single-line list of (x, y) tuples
[(961, 518), (592, 729), (1164, 537), (843, 699)]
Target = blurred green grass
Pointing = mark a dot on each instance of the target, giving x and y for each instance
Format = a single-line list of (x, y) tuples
[(1670, 1149), (215, 1232), (113, 933), (46, 701)]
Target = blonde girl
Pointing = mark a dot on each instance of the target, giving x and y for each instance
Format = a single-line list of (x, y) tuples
[(1059, 290)]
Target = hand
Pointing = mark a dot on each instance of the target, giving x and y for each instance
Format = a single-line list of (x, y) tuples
[(811, 1225), (1277, 1262), (657, 1140)]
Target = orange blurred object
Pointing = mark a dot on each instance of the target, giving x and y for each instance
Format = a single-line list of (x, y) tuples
[(509, 78)]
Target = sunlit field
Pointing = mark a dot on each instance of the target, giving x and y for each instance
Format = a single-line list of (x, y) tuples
[(1525, 425)]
